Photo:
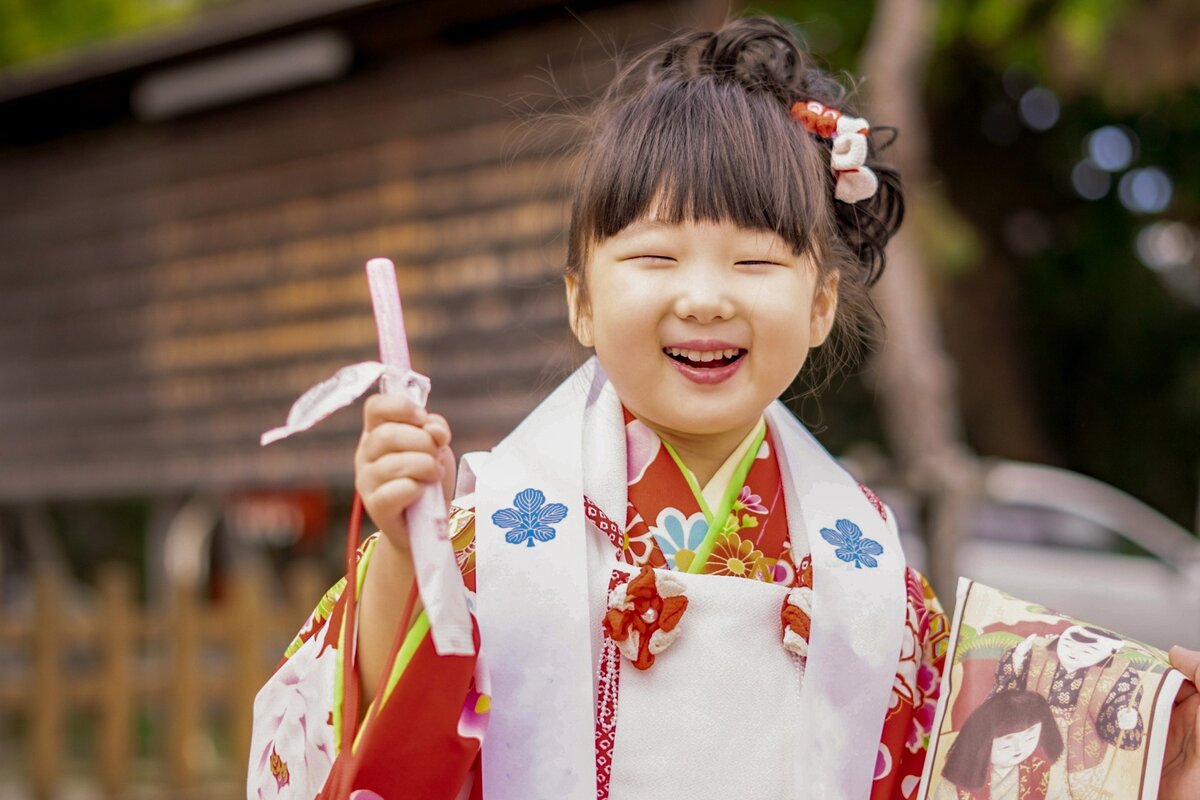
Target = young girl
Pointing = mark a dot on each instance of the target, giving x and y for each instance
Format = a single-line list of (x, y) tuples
[(678, 592)]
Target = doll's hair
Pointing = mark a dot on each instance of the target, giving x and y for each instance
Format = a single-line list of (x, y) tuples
[(1003, 713), (699, 129)]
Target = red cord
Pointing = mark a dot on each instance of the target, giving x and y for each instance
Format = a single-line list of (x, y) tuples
[(340, 782)]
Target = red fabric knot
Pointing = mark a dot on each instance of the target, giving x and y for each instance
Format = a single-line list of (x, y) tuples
[(643, 615), (796, 614), (816, 117)]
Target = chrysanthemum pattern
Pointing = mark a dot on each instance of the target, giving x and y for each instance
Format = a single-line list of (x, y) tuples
[(733, 555)]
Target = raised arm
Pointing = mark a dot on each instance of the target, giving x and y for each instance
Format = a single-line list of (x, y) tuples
[(402, 448)]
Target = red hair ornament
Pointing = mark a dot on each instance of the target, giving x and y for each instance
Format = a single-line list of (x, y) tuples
[(848, 156)]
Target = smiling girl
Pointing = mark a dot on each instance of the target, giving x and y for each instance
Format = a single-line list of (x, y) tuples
[(679, 593)]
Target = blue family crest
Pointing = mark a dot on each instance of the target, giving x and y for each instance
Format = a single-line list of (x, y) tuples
[(530, 519), (852, 546)]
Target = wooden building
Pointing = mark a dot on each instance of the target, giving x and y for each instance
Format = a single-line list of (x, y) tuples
[(181, 251)]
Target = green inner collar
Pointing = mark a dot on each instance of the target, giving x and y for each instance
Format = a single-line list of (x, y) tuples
[(716, 520)]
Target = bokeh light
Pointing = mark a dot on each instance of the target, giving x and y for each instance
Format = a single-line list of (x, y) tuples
[(1111, 147), (1039, 108), (1166, 245), (1145, 191)]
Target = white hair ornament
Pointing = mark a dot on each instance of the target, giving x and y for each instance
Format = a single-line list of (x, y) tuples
[(848, 156)]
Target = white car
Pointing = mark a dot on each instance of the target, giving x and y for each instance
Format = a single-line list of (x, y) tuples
[(1055, 538)]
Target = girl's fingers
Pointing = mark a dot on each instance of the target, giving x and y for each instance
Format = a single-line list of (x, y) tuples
[(418, 466), (390, 499), (395, 437), (381, 408), (439, 429)]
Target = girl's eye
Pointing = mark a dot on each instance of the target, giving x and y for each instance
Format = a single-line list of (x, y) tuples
[(758, 263), (651, 257)]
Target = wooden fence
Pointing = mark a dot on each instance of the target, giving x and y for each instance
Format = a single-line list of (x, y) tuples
[(111, 699)]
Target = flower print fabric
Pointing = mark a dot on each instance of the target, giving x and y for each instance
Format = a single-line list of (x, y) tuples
[(662, 528), (293, 747), (733, 555), (665, 523), (754, 544), (677, 537)]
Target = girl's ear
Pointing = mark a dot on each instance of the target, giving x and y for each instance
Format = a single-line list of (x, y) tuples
[(824, 309), (578, 312)]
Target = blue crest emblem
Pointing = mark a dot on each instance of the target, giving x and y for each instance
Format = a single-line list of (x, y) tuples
[(852, 546), (530, 519)]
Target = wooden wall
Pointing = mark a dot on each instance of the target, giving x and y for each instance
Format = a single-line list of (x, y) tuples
[(167, 290)]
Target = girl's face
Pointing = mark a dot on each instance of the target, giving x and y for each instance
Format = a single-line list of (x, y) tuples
[(1013, 748), (700, 325)]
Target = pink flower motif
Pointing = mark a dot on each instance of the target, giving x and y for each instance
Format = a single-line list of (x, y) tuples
[(922, 724), (916, 601), (883, 762), (925, 708), (751, 502), (641, 447), (473, 721), (927, 679)]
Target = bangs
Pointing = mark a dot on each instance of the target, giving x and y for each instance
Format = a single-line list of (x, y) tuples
[(700, 151)]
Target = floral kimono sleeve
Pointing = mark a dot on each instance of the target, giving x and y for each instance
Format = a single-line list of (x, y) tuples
[(297, 714), (909, 720)]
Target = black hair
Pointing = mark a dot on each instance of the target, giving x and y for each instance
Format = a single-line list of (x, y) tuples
[(1003, 713), (699, 128)]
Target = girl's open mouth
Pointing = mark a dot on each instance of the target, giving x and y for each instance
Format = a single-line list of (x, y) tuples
[(706, 366), (705, 359)]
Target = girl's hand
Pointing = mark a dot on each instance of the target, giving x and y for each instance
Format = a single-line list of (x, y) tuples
[(402, 449), (1181, 763)]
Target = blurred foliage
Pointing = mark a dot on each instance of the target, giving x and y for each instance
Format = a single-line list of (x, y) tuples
[(35, 29), (1110, 350)]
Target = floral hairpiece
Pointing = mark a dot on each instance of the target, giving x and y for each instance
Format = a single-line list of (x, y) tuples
[(855, 180)]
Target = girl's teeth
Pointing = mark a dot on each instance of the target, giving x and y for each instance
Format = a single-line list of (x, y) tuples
[(701, 357)]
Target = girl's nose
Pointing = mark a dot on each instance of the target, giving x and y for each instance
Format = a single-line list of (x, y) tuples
[(703, 295)]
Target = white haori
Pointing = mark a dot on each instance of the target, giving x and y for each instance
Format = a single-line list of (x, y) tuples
[(542, 584)]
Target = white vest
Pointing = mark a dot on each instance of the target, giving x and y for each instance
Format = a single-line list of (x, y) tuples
[(726, 711)]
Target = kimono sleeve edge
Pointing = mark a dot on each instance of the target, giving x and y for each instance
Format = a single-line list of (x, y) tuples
[(339, 676)]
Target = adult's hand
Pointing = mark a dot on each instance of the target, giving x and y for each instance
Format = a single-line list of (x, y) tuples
[(1181, 763)]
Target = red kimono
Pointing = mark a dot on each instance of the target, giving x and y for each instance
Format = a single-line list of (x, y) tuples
[(427, 735)]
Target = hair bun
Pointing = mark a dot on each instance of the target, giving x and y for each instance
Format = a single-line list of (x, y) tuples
[(757, 53)]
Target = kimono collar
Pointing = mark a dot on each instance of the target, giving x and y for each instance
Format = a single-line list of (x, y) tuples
[(537, 629)]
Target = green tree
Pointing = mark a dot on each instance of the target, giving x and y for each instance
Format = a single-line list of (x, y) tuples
[(36, 29)]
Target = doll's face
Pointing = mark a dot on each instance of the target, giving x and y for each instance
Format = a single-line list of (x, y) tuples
[(700, 325), (1013, 748), (1078, 647)]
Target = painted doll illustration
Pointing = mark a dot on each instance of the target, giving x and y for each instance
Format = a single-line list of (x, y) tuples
[(1009, 749), (1093, 723), (1093, 692)]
